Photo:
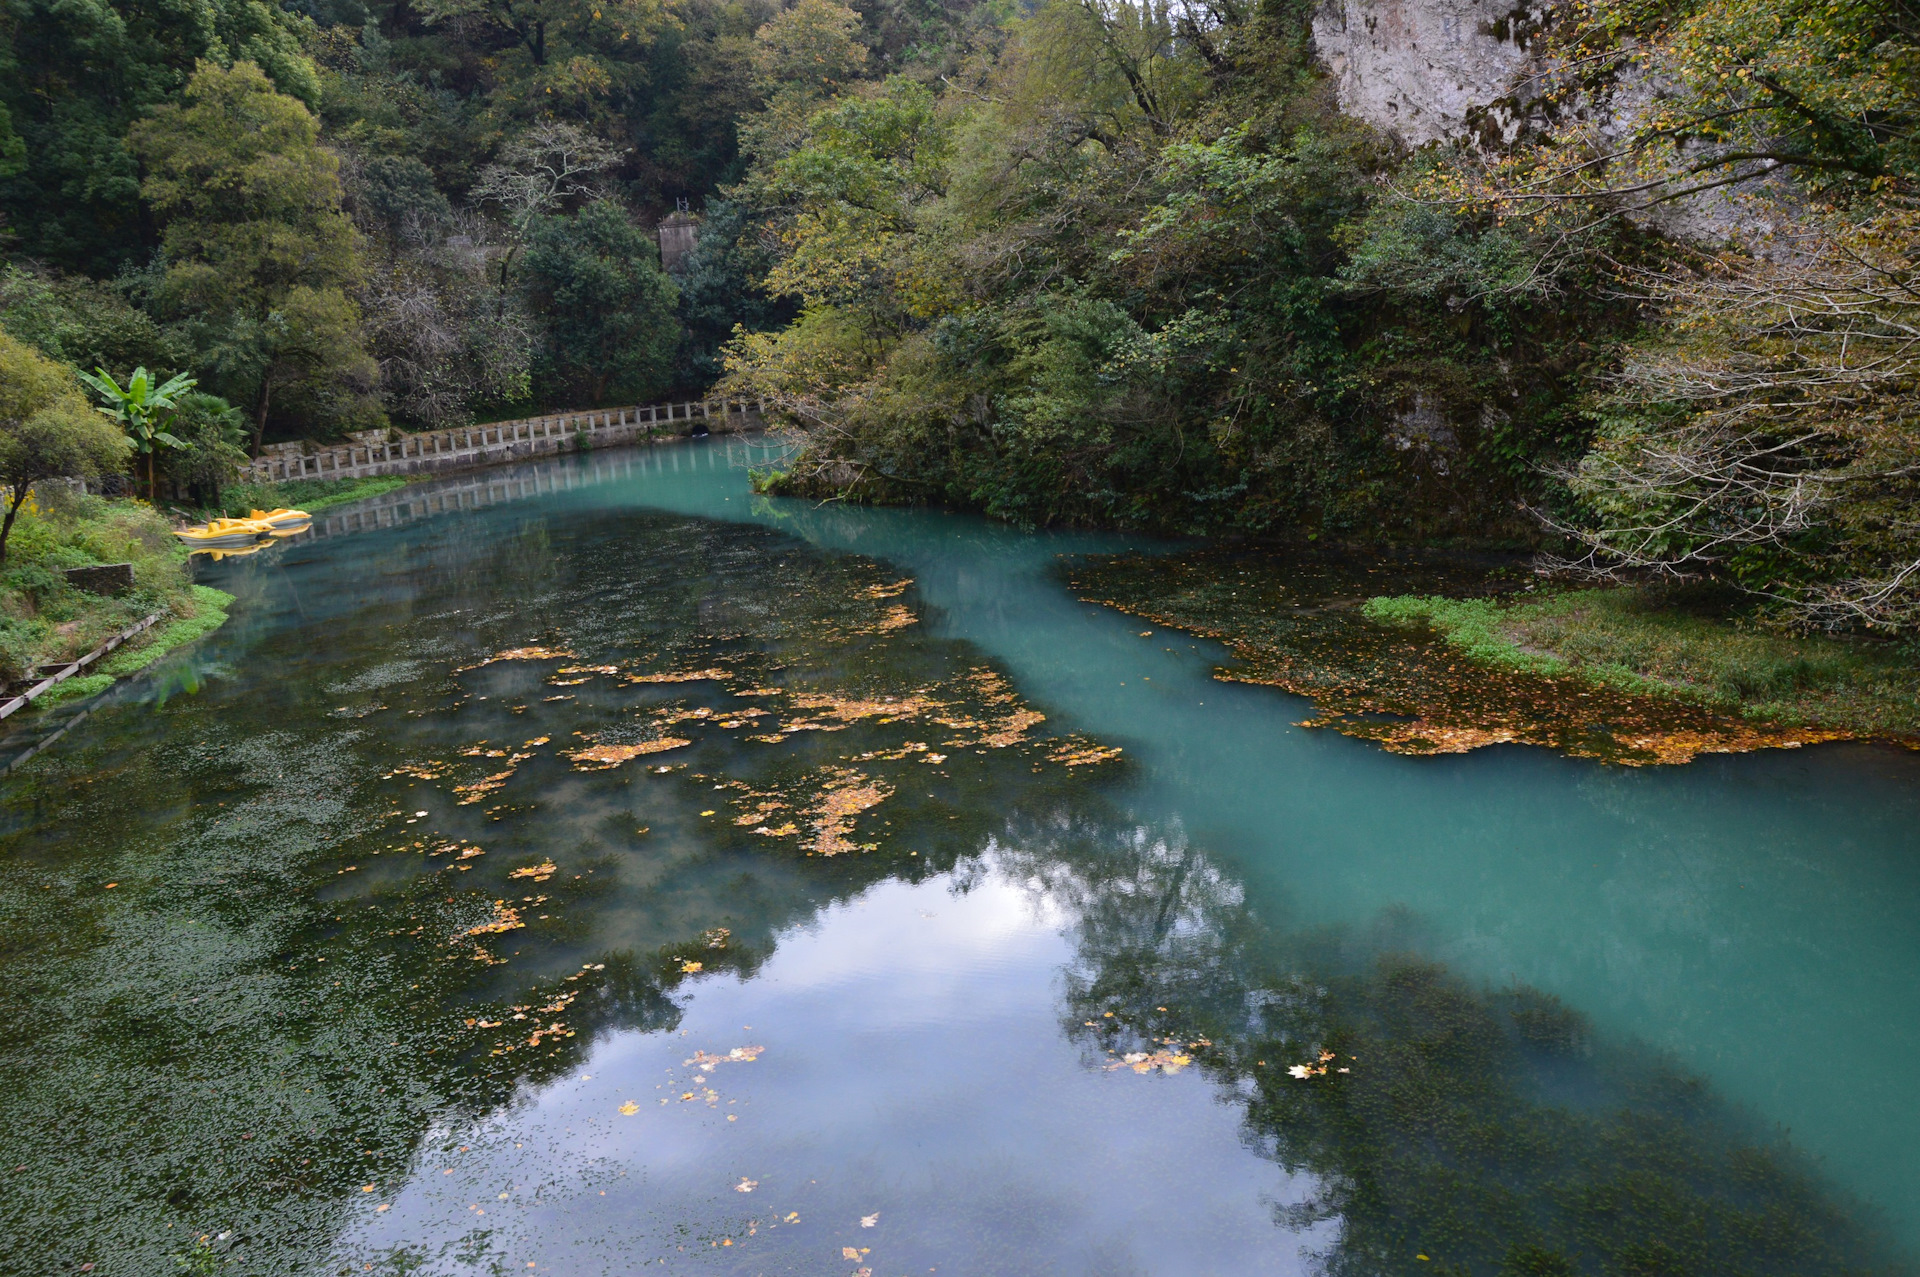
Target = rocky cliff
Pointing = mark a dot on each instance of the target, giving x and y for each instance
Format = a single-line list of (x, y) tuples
[(1429, 70)]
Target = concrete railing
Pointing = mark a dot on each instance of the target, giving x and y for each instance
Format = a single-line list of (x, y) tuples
[(434, 450), (478, 490)]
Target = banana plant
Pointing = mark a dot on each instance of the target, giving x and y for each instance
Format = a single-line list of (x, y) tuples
[(144, 408)]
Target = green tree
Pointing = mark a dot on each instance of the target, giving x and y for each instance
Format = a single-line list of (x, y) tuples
[(144, 407), (611, 331), (261, 253), (398, 201), (74, 77), (213, 437), (47, 431), (87, 324)]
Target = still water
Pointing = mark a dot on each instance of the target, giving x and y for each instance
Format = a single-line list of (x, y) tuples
[(592, 868)]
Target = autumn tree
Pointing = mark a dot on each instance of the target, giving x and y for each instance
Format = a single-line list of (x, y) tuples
[(547, 168), (261, 254), (801, 58), (47, 431)]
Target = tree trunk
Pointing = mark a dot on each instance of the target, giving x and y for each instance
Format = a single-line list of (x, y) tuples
[(20, 491), (260, 412)]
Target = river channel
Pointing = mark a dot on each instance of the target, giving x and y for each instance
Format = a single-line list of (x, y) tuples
[(594, 868)]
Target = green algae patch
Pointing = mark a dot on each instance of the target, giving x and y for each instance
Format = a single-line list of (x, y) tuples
[(1637, 642), (1380, 666)]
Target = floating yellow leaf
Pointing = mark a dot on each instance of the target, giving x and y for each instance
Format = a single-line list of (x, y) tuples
[(629, 1108), (601, 757)]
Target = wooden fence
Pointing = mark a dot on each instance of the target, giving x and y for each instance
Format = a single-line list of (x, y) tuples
[(434, 450)]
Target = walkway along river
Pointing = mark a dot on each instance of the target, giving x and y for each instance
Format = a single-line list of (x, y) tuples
[(640, 875)]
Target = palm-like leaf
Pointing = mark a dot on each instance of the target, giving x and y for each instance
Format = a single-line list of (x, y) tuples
[(140, 403)]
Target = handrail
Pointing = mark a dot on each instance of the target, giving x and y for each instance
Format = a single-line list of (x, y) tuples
[(496, 440), (74, 667)]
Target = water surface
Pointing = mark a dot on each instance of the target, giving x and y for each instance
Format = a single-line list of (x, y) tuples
[(895, 943)]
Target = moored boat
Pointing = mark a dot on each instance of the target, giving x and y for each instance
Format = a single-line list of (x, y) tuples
[(281, 518), (224, 534)]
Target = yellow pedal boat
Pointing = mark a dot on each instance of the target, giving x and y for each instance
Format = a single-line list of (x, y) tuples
[(225, 534), (280, 519)]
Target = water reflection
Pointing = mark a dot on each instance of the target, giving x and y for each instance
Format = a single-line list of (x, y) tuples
[(411, 901)]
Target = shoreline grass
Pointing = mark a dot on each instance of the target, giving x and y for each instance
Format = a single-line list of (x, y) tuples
[(311, 495), (1638, 641), (209, 614)]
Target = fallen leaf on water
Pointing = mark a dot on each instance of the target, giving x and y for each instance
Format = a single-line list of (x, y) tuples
[(849, 1252), (868, 1221), (539, 873), (629, 1108), (601, 757), (1076, 753), (504, 919), (690, 968), (746, 1185), (1147, 1062), (739, 1055)]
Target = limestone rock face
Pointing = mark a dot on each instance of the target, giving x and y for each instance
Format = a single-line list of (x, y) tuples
[(1428, 70)]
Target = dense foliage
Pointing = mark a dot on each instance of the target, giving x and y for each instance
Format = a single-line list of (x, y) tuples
[(1133, 266), (1077, 261)]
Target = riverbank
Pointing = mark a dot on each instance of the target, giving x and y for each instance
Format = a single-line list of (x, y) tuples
[(1442, 655), (47, 619), (209, 613), (311, 495), (1664, 644)]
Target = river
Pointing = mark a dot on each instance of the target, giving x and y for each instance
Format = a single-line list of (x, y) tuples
[(609, 871)]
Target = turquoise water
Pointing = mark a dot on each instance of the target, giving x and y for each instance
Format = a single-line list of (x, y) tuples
[(935, 1052)]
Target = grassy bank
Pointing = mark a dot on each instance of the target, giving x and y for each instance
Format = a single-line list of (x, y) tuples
[(209, 614), (311, 495), (44, 619), (1648, 643)]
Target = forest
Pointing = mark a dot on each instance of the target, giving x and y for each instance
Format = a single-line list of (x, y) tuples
[(1083, 262)]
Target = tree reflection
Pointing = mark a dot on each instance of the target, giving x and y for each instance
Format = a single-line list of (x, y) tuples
[(1447, 1129)]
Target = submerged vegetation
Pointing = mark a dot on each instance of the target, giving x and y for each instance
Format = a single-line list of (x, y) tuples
[(290, 975)]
